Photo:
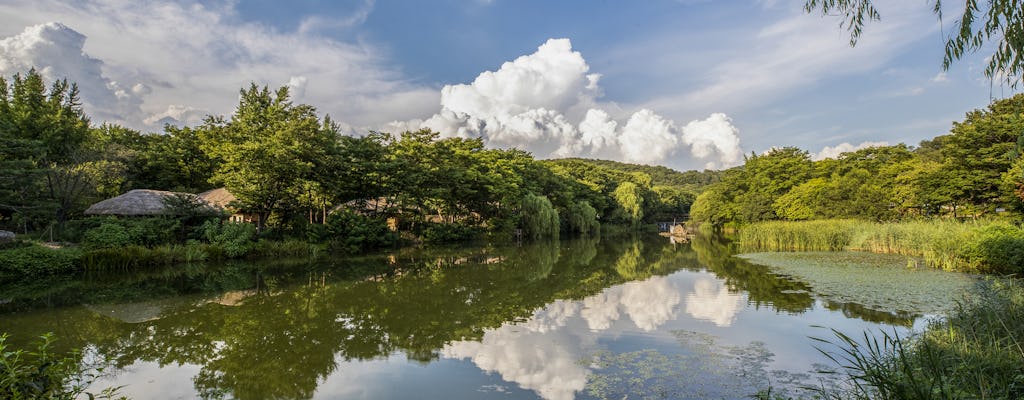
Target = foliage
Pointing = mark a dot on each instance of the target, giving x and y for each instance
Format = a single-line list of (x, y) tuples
[(36, 260), (1001, 21), (270, 152), (630, 199), (106, 236), (539, 218), (973, 171), (235, 238), (582, 219), (974, 353), (44, 374), (449, 233), (982, 246), (352, 232)]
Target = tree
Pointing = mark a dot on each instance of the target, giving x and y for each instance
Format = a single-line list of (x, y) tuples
[(539, 218), (999, 21), (42, 132), (630, 198), (270, 151)]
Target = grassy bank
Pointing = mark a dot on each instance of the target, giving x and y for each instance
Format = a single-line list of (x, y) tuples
[(975, 353), (27, 260), (995, 247)]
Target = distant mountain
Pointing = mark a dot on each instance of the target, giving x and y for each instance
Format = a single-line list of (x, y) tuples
[(660, 176)]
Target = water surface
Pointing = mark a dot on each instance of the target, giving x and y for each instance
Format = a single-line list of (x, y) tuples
[(582, 318)]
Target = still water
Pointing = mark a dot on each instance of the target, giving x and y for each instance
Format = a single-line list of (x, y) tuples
[(575, 319)]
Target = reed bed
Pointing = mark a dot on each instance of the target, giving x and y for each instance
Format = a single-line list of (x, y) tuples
[(975, 353), (977, 246)]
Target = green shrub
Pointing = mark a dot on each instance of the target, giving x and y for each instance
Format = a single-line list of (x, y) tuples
[(352, 232), (449, 233), (235, 238), (41, 374), (996, 248), (34, 260), (106, 236)]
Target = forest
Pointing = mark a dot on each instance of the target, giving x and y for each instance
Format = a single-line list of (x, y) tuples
[(975, 171), (301, 178)]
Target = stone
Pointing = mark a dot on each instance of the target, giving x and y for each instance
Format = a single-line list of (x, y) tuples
[(6, 236)]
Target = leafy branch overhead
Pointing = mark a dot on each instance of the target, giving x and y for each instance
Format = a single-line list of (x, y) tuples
[(998, 22)]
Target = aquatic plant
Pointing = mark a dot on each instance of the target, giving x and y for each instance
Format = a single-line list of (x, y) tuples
[(974, 353)]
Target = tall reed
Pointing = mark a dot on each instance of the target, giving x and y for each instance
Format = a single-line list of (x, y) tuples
[(975, 246), (975, 353)]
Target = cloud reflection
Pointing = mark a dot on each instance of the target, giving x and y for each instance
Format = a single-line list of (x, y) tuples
[(712, 301)]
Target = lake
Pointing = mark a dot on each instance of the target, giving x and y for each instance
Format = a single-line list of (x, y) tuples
[(572, 319)]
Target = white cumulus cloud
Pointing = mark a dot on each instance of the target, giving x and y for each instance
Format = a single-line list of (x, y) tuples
[(196, 54), (58, 52), (533, 101), (837, 150)]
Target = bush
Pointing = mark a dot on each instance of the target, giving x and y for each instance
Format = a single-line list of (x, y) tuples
[(448, 233), (34, 260), (106, 236), (235, 238), (348, 231), (143, 231), (996, 248)]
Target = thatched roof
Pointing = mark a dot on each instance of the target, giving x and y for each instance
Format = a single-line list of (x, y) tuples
[(220, 198), (139, 202)]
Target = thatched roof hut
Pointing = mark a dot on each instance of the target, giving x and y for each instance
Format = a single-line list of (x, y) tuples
[(139, 202), (220, 198)]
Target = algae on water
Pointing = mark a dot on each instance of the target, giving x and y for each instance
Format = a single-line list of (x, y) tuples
[(883, 282)]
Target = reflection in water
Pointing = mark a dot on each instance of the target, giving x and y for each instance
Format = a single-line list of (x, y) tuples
[(543, 354), (552, 318), (712, 301)]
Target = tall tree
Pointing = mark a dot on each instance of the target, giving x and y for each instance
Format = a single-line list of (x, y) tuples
[(270, 152), (42, 132)]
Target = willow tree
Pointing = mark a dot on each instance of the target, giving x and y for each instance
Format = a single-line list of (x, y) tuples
[(538, 217), (630, 198), (980, 24), (582, 218)]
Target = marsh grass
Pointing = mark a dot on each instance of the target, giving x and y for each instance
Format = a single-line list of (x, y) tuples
[(976, 246), (974, 353)]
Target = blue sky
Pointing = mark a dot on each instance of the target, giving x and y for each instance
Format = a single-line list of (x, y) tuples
[(684, 83)]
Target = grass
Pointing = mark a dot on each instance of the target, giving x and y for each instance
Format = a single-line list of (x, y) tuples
[(979, 246), (975, 353)]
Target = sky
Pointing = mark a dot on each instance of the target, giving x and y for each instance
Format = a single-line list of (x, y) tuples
[(688, 84)]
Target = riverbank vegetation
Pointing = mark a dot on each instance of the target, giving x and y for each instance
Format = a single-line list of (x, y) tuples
[(984, 246), (975, 171), (297, 176), (974, 353)]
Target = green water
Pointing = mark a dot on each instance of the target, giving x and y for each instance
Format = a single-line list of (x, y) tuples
[(583, 318)]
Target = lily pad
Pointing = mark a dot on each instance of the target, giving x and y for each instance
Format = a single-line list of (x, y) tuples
[(882, 282)]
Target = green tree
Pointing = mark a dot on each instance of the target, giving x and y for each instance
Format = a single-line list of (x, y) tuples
[(539, 218), (42, 132), (630, 198), (270, 151)]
